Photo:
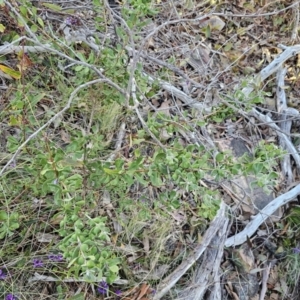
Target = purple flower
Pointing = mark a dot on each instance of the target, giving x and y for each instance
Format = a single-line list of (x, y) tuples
[(13, 164), (37, 263), (72, 21), (10, 297), (2, 275), (55, 257), (118, 293), (102, 287), (296, 250)]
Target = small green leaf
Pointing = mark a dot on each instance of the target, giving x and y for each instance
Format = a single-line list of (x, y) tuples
[(72, 262), (155, 179), (23, 10), (37, 98), (114, 268), (34, 28), (52, 6), (111, 171), (79, 68), (220, 157), (3, 215), (228, 46), (90, 264), (135, 164), (14, 226), (160, 157), (41, 22), (80, 296), (84, 248)]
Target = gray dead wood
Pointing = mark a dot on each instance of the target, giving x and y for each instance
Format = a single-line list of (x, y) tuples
[(206, 281), (285, 125), (170, 281), (286, 118), (281, 98), (9, 48), (40, 277), (260, 218), (289, 145), (273, 66), (283, 134), (202, 107), (279, 60), (265, 278)]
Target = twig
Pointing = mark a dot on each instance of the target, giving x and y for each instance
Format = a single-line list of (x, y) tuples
[(216, 290), (145, 126), (207, 274), (285, 126), (166, 284), (281, 99), (135, 57), (39, 277), (119, 142), (266, 273), (202, 107), (279, 60), (33, 135), (10, 48), (257, 14), (273, 66), (264, 214), (296, 22), (289, 145), (172, 68), (50, 49)]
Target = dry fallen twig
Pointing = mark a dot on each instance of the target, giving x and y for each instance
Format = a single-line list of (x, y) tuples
[(289, 145), (296, 22), (285, 125), (207, 273), (264, 288), (273, 66), (264, 214), (61, 112), (39, 277), (217, 223)]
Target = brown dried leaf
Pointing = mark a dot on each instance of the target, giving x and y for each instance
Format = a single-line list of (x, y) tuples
[(65, 136), (143, 291)]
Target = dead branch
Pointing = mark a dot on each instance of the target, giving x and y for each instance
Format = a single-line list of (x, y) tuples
[(285, 125), (39, 277), (281, 98), (288, 144), (207, 276), (296, 22), (120, 139), (202, 107), (264, 288), (272, 67), (10, 48), (279, 60), (60, 113), (217, 223), (264, 214)]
